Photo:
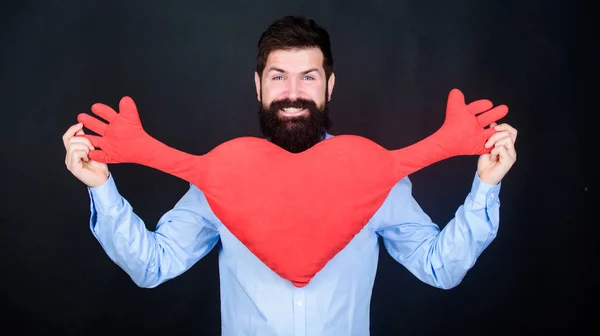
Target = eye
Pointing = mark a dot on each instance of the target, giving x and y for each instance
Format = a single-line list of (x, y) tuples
[(309, 77), (278, 78)]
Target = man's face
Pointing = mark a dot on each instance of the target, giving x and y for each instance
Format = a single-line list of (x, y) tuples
[(294, 94)]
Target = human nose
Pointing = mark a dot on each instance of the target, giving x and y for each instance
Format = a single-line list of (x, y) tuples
[(293, 89)]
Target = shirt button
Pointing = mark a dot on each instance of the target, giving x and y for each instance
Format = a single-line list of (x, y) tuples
[(299, 303), (492, 195)]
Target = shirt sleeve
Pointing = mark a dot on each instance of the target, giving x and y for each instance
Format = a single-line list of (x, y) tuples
[(183, 235), (437, 257)]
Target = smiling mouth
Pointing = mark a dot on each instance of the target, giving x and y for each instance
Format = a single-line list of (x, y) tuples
[(292, 111)]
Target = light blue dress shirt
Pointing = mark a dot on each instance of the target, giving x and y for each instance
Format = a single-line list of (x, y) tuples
[(255, 300)]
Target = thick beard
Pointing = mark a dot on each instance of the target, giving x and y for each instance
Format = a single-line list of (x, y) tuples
[(295, 134)]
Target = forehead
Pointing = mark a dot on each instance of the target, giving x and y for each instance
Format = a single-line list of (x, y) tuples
[(295, 60)]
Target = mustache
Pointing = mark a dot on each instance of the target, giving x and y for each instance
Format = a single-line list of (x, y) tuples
[(296, 103)]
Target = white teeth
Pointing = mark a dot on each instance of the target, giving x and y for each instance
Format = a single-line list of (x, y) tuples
[(291, 110)]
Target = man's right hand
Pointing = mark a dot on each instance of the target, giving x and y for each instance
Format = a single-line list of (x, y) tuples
[(91, 173)]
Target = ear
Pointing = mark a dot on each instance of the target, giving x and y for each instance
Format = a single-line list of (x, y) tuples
[(257, 84), (330, 84)]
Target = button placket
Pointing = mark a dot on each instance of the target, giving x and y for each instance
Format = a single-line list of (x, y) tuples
[(299, 312)]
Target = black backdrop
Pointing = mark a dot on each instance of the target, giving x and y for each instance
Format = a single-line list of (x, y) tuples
[(189, 66)]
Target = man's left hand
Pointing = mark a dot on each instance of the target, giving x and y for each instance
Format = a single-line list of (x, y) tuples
[(493, 167)]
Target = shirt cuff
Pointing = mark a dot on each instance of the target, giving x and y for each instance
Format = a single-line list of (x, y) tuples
[(484, 194), (105, 196)]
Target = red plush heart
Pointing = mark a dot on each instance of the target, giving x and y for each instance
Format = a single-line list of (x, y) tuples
[(293, 211), (287, 209)]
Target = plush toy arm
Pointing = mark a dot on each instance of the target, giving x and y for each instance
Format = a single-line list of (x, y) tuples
[(124, 140), (463, 132)]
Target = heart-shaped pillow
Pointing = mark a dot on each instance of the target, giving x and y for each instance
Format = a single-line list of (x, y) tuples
[(294, 211)]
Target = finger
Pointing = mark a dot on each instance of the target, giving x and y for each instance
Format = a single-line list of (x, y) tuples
[(81, 139), (95, 141), (509, 145), (492, 115), (505, 141), (479, 106), (128, 109), (495, 137), (504, 155), (71, 131), (456, 100), (495, 154), (489, 132), (485, 150), (77, 146), (104, 111), (92, 123), (506, 127), (76, 157)]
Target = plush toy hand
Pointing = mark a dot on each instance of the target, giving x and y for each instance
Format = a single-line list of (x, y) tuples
[(124, 140), (463, 132)]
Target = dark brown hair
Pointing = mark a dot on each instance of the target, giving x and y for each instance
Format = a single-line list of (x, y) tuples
[(291, 32)]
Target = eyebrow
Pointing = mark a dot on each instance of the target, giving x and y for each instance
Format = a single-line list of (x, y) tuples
[(303, 72)]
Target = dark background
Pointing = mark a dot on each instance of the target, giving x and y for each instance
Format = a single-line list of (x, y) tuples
[(189, 66)]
